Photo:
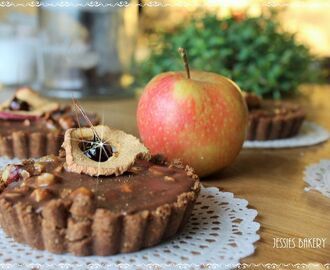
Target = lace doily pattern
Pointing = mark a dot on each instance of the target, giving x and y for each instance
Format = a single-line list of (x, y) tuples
[(310, 134), (221, 230), (317, 176)]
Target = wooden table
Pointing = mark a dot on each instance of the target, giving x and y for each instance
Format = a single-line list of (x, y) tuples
[(271, 180)]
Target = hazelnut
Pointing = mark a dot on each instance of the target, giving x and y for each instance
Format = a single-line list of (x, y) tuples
[(82, 191), (135, 169), (66, 122), (169, 179), (5, 174), (156, 170), (126, 188), (65, 192), (26, 122), (12, 195), (40, 194), (24, 174), (51, 124), (45, 179), (58, 169), (38, 168)]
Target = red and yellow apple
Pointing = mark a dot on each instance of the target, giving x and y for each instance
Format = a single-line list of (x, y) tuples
[(198, 117)]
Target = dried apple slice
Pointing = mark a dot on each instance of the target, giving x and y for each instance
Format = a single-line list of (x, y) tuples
[(101, 150), (26, 104)]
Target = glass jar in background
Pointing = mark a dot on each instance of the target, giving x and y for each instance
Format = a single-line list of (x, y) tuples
[(17, 54), (87, 51)]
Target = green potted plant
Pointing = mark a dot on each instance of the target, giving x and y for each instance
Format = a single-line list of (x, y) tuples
[(254, 51)]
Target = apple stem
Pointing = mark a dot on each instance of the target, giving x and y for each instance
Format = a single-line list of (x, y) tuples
[(184, 57)]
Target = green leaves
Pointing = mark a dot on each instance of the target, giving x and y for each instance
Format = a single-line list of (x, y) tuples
[(254, 52)]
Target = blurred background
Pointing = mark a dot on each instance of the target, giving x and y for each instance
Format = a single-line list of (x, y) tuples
[(95, 50)]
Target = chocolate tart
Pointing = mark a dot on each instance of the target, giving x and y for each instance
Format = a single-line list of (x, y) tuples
[(271, 120), (47, 206), (32, 127)]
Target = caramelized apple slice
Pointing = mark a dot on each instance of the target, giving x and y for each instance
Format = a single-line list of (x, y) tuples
[(26, 104), (101, 151)]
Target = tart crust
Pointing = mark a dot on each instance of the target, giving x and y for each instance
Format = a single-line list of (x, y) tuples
[(77, 227), (30, 145), (271, 120)]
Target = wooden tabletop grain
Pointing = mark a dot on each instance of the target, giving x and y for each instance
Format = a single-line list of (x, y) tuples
[(271, 180)]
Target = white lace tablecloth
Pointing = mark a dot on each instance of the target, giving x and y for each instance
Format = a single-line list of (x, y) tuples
[(220, 232), (310, 134), (317, 176)]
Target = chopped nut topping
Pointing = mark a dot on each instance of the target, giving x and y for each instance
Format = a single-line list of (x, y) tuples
[(48, 158), (82, 191), (65, 192), (169, 178), (66, 122), (51, 124), (40, 194), (58, 169), (156, 170), (26, 122), (45, 180), (13, 195), (11, 173), (38, 168), (24, 174), (126, 188), (135, 169)]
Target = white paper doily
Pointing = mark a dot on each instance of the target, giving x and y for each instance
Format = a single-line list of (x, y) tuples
[(317, 176), (220, 232), (310, 134)]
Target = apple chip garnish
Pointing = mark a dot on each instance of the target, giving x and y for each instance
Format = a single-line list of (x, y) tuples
[(26, 104), (101, 150)]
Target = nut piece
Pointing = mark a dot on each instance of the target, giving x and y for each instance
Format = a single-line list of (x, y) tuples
[(156, 170), (126, 188), (24, 174), (13, 195), (135, 169), (11, 173), (65, 192), (66, 122), (169, 179), (27, 122), (38, 168), (40, 194), (58, 169), (82, 191), (45, 180)]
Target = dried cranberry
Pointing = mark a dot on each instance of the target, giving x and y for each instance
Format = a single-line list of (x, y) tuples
[(14, 174), (19, 105)]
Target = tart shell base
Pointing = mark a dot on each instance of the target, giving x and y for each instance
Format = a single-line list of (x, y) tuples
[(262, 129), (63, 227), (23, 145)]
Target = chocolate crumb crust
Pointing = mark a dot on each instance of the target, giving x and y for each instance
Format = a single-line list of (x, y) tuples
[(59, 211), (271, 120)]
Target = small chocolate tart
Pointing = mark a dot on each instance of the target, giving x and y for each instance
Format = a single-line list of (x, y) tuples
[(48, 207), (31, 127), (272, 120)]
